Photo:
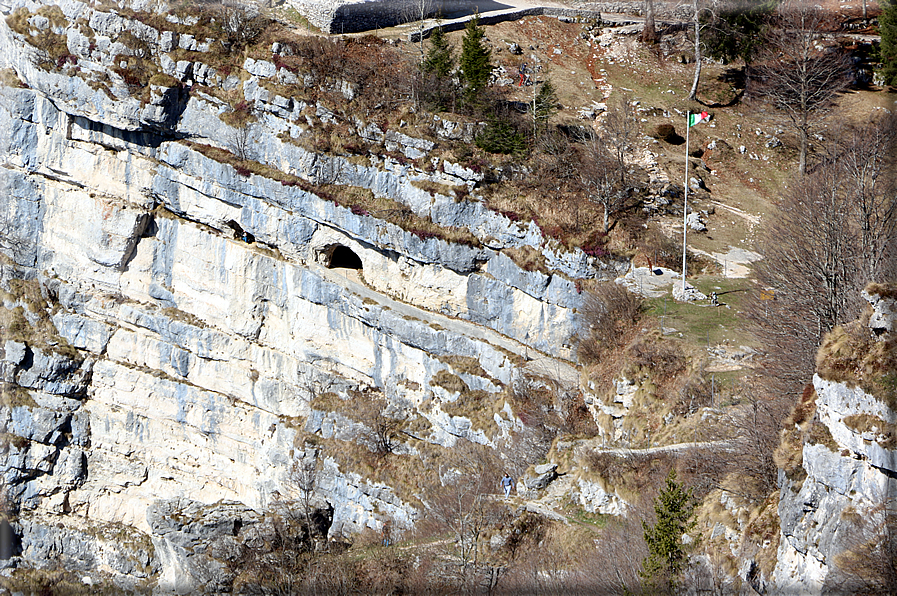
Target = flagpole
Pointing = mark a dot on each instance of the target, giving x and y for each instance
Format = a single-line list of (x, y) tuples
[(685, 205)]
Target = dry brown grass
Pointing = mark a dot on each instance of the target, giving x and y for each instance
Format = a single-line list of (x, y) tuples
[(883, 290), (434, 188), (527, 258), (849, 354), (609, 315), (885, 434), (465, 364), (9, 78), (35, 329), (15, 396), (450, 382), (789, 454), (477, 406), (819, 434)]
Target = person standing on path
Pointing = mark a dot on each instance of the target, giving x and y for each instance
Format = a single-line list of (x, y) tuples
[(506, 483)]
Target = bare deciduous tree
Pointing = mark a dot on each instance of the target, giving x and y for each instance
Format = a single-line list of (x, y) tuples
[(304, 476), (419, 11), (598, 176), (604, 158), (797, 72), (382, 428), (696, 16), (835, 230), (621, 130), (867, 155), (465, 506), (240, 142)]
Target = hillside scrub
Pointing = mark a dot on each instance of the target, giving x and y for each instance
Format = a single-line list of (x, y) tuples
[(834, 231)]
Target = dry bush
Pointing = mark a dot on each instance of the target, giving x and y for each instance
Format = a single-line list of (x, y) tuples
[(382, 429), (241, 25), (695, 393), (612, 566), (704, 470), (868, 562), (633, 472), (664, 358), (387, 571), (549, 560), (609, 314), (756, 438), (461, 505)]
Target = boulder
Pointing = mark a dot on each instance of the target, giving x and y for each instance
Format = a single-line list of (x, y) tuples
[(545, 474), (884, 308)]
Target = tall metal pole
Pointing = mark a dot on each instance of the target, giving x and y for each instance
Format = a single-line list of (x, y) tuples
[(685, 205)]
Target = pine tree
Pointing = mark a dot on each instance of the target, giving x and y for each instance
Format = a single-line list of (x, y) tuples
[(475, 64), (545, 105), (439, 60), (674, 507), (887, 26)]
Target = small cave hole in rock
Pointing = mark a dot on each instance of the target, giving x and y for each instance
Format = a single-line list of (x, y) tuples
[(240, 233), (342, 257)]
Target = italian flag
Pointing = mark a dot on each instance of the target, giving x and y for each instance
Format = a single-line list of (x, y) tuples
[(696, 118)]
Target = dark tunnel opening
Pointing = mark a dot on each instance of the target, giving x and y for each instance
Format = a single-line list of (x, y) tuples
[(344, 258)]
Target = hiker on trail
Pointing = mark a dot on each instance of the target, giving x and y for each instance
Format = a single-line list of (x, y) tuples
[(714, 299), (522, 73), (506, 483), (386, 533)]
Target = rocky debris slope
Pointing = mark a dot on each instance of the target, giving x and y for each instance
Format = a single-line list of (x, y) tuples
[(176, 343)]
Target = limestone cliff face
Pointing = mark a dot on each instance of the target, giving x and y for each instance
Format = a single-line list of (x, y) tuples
[(161, 373), (837, 509)]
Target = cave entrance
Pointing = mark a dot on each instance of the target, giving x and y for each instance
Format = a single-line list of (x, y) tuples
[(343, 257)]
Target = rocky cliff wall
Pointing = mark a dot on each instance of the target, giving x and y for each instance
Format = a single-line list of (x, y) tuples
[(162, 376), (837, 509)]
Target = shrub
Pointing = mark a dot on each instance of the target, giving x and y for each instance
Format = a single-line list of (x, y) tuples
[(500, 136), (609, 314)]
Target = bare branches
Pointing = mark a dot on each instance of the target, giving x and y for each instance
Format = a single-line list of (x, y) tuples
[(304, 476), (419, 11), (241, 143), (240, 24), (608, 314), (604, 158), (797, 73), (834, 232), (382, 428)]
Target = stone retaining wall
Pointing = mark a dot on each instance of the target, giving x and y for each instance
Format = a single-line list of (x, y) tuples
[(352, 16)]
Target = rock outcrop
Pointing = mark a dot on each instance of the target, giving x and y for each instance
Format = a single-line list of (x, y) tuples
[(181, 331), (836, 510)]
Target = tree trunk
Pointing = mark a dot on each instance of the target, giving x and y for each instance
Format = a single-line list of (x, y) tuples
[(804, 146), (693, 94), (649, 33)]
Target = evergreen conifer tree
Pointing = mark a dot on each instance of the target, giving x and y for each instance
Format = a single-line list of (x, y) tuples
[(439, 60), (545, 105), (666, 552), (887, 26), (476, 67)]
